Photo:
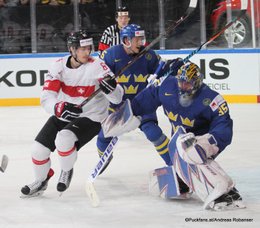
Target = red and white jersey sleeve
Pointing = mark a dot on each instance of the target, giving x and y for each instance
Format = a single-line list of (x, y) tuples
[(76, 85)]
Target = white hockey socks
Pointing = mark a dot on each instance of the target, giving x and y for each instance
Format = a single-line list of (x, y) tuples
[(65, 144), (41, 161)]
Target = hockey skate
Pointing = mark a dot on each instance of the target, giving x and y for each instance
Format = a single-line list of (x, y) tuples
[(64, 180), (185, 192), (37, 187), (228, 201)]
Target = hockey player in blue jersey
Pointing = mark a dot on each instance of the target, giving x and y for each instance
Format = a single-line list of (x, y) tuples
[(201, 129), (134, 80)]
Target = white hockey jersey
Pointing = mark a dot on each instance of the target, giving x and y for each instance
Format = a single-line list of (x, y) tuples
[(76, 85)]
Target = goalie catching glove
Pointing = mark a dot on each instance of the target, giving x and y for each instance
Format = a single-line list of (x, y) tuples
[(67, 111), (196, 149), (107, 84)]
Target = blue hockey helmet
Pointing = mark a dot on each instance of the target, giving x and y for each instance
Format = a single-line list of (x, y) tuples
[(189, 78), (130, 31)]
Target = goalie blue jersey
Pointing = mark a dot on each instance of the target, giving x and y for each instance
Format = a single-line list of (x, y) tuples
[(134, 78), (208, 113)]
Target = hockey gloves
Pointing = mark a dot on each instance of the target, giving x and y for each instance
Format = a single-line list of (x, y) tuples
[(171, 67), (196, 149), (107, 84), (67, 111)]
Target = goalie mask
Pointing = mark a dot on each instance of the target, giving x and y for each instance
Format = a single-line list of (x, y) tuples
[(189, 79)]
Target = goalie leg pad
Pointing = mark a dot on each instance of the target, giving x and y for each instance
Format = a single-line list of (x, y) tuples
[(164, 183), (209, 181)]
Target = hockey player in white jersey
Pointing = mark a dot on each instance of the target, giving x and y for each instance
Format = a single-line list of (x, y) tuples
[(69, 82)]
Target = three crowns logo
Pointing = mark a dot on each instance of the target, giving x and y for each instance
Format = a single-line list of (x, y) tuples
[(187, 122), (140, 78), (123, 79), (172, 117), (131, 89)]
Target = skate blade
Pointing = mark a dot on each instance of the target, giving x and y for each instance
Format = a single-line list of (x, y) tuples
[(36, 194), (60, 194), (238, 204), (4, 163)]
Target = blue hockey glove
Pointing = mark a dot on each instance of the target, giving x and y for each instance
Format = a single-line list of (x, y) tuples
[(171, 67)]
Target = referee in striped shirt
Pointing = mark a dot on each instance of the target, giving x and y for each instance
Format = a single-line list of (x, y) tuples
[(111, 34)]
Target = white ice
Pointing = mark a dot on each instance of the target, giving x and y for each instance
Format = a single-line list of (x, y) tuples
[(123, 188)]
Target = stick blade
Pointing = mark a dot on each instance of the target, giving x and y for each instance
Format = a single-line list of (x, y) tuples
[(92, 194), (192, 6), (4, 163)]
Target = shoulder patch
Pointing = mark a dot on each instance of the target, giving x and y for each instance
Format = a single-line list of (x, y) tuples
[(206, 101), (148, 56), (217, 101)]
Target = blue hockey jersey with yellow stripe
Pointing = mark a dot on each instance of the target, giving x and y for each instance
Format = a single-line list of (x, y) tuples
[(133, 79), (209, 112)]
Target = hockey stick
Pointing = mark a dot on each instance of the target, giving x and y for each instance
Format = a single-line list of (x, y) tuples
[(113, 125), (90, 189), (216, 35), (171, 28), (4, 163)]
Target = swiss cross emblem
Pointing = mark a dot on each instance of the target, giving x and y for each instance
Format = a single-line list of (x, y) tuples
[(81, 90)]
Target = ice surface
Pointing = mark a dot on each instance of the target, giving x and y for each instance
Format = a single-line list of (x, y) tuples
[(123, 188)]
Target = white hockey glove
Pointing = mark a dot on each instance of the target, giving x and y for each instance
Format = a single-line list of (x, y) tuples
[(196, 149)]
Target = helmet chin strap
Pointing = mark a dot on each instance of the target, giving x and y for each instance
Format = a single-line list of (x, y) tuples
[(74, 55), (129, 47)]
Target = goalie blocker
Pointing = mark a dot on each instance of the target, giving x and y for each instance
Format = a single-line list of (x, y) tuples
[(121, 121), (208, 180)]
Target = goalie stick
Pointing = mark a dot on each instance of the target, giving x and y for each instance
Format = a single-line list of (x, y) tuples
[(90, 189), (4, 163), (171, 28)]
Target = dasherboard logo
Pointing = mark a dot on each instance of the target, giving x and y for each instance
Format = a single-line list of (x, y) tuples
[(23, 78), (218, 68)]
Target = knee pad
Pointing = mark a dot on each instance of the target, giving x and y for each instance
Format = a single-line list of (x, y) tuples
[(40, 152), (65, 140), (151, 130)]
